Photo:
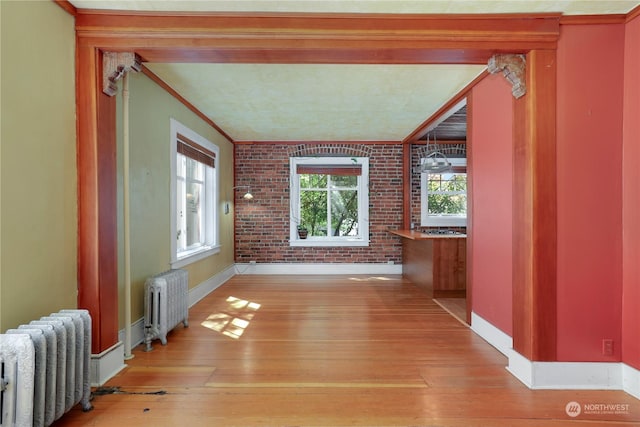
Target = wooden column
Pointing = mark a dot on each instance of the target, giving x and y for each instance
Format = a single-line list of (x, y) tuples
[(534, 211), (470, 233), (97, 223), (406, 185)]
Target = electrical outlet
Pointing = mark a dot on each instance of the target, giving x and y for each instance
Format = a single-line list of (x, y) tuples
[(607, 347)]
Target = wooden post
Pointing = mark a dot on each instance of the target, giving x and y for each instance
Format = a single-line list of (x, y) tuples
[(97, 216), (534, 211)]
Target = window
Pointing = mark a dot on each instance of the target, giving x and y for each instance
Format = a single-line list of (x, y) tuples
[(194, 195), (330, 199), (444, 196)]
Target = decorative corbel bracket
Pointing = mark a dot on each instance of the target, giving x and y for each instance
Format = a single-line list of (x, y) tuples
[(114, 65), (513, 67)]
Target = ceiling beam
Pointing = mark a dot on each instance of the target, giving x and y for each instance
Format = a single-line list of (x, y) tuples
[(318, 38)]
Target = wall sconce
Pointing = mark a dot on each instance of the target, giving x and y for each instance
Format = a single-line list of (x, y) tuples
[(246, 196)]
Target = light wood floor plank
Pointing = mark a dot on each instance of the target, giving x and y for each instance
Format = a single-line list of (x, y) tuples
[(329, 351)]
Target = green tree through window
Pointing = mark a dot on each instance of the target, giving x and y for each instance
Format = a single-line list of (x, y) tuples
[(447, 194), (443, 196), (329, 200)]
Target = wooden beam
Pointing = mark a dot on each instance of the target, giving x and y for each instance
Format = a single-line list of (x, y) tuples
[(592, 19), (319, 38), (534, 212), (635, 12), (71, 9)]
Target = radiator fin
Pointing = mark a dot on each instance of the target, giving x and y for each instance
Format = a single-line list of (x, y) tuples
[(50, 378), (166, 301)]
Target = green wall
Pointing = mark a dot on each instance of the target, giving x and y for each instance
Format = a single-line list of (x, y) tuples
[(38, 215), (151, 108), (38, 175)]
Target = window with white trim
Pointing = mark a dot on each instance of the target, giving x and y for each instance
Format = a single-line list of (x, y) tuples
[(194, 195), (330, 200), (443, 201)]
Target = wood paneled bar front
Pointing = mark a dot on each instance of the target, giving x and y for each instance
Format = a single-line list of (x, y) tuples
[(435, 262)]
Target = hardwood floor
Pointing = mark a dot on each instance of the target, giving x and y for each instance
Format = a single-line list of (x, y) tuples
[(329, 351), (457, 307)]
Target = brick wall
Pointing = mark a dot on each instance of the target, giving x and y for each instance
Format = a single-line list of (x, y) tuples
[(262, 224)]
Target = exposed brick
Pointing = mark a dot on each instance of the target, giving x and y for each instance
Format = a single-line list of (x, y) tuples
[(262, 224)]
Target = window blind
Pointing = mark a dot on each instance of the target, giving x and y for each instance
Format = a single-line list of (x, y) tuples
[(195, 151), (352, 170)]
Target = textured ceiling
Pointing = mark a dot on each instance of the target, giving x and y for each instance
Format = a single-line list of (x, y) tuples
[(284, 102), (325, 102)]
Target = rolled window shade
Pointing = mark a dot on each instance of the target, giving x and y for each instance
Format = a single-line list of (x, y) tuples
[(352, 170), (195, 151)]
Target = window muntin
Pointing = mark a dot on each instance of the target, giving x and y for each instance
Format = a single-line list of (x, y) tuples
[(194, 191), (329, 197), (190, 202), (444, 196)]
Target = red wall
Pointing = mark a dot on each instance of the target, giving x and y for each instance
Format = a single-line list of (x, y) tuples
[(262, 225), (631, 198), (491, 141), (590, 94)]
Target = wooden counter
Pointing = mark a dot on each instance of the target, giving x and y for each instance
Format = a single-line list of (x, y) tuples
[(419, 235), (435, 262)]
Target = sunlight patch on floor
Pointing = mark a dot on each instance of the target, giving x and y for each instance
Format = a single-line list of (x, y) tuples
[(369, 279), (233, 321)]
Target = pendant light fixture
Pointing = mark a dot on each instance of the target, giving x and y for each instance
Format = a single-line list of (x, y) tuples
[(436, 161)]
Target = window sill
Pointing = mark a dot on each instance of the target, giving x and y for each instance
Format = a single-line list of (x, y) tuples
[(327, 243), (194, 256)]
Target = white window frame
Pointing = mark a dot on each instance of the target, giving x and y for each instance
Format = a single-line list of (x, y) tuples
[(363, 202), (211, 245), (427, 220)]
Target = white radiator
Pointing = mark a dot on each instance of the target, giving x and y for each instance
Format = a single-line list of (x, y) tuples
[(53, 376), (166, 304)]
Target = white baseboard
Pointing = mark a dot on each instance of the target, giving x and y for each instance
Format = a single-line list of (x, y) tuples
[(107, 364), (494, 336), (284, 268), (575, 375), (559, 375), (631, 380), (521, 368), (566, 375), (137, 333), (205, 288)]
